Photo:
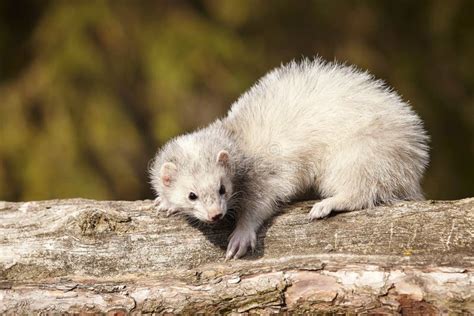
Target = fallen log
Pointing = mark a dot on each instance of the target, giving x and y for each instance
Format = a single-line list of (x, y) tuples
[(84, 256)]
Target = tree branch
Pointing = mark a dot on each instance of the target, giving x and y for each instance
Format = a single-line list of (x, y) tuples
[(100, 256)]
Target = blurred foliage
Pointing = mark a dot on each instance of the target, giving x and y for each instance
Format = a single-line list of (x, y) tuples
[(90, 89)]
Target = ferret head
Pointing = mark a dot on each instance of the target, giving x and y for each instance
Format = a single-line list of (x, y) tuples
[(195, 184)]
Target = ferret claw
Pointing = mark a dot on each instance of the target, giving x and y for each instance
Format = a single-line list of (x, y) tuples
[(228, 256), (240, 242), (170, 212)]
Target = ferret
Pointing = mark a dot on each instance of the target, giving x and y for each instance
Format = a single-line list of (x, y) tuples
[(305, 126)]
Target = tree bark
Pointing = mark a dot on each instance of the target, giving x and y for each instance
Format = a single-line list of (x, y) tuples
[(84, 256)]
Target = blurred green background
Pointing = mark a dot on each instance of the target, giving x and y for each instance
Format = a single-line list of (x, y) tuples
[(90, 89)]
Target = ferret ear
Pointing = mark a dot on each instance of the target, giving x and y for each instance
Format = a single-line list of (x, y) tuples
[(223, 158), (168, 173)]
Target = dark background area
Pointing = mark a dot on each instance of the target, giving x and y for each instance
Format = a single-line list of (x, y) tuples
[(89, 90)]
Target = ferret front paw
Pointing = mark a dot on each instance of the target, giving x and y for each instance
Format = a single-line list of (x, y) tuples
[(320, 210), (239, 243), (162, 206), (159, 204)]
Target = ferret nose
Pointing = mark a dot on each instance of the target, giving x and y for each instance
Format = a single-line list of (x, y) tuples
[(215, 214), (216, 217)]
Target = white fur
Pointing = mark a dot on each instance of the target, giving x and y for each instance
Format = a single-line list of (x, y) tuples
[(304, 126)]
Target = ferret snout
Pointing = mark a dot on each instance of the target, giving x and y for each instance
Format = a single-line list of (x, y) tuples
[(215, 213)]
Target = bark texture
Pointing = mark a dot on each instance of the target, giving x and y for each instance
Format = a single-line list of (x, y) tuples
[(83, 256)]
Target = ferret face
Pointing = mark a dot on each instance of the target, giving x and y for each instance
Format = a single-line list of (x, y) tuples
[(203, 194)]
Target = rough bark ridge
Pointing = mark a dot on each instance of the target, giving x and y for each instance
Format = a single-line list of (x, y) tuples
[(99, 256)]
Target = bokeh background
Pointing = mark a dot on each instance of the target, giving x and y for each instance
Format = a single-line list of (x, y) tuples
[(89, 90)]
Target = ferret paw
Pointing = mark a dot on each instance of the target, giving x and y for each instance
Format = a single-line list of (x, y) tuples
[(161, 206), (239, 243), (320, 210)]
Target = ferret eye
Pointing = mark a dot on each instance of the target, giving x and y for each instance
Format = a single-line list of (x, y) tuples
[(222, 190), (192, 196)]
